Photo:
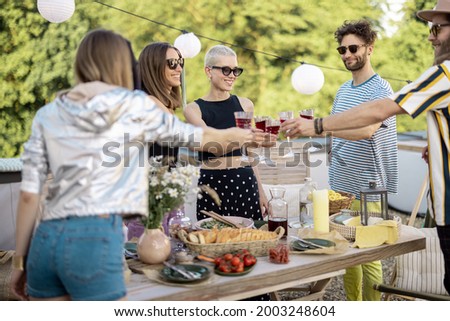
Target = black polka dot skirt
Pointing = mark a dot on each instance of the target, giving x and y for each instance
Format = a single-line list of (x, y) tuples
[(237, 189)]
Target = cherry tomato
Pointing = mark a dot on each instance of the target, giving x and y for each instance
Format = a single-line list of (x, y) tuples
[(235, 261), (247, 261), (228, 257), (217, 261), (225, 268)]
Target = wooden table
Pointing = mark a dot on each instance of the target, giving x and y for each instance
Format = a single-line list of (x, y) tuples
[(267, 277)]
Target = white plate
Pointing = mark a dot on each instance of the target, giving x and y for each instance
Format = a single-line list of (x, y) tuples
[(246, 222)]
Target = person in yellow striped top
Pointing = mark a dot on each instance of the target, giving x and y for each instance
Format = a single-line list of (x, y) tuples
[(429, 94)]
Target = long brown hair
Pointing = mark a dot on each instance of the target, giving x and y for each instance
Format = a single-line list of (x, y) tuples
[(104, 56), (152, 66)]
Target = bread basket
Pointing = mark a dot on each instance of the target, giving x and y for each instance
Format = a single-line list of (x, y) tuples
[(341, 204), (349, 232), (257, 248)]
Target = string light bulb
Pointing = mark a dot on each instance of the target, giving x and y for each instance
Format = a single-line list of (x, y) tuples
[(188, 44), (56, 11), (307, 79)]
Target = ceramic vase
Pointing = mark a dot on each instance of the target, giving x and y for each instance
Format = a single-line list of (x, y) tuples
[(153, 246)]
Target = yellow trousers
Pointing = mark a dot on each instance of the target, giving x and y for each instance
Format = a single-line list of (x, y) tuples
[(359, 279)]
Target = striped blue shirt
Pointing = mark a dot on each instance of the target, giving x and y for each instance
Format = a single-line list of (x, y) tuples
[(355, 163), (430, 93)]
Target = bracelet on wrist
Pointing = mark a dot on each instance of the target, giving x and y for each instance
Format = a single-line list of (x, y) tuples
[(320, 126), (18, 262), (316, 126)]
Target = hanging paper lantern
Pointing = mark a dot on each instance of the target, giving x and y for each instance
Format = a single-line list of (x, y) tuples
[(56, 10), (307, 79), (188, 44)]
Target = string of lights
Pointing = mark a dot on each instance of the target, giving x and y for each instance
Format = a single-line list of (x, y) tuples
[(234, 45)]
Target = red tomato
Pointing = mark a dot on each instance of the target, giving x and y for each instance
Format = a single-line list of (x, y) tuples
[(240, 267), (235, 261), (225, 268), (217, 261), (249, 260), (228, 257)]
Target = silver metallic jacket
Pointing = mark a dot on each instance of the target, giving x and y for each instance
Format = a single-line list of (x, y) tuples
[(92, 140)]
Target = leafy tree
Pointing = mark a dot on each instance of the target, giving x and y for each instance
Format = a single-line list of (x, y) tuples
[(36, 61)]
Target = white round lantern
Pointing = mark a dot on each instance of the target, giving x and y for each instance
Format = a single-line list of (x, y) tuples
[(188, 44), (307, 79), (56, 10)]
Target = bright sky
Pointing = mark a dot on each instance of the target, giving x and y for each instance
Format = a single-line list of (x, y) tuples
[(393, 15)]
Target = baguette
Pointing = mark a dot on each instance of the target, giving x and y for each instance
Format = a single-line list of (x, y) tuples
[(201, 239), (230, 235), (193, 238)]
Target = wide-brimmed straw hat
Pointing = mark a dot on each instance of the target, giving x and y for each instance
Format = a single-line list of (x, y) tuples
[(443, 6)]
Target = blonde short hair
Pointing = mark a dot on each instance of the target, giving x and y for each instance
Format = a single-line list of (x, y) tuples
[(217, 51), (104, 56)]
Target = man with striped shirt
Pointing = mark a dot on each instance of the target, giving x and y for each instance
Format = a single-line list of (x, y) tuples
[(429, 94), (365, 155)]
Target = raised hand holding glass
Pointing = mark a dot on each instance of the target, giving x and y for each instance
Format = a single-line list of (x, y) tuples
[(243, 120), (285, 115)]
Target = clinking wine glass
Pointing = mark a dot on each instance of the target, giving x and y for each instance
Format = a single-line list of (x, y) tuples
[(307, 114), (272, 127), (260, 123), (243, 120), (285, 115)]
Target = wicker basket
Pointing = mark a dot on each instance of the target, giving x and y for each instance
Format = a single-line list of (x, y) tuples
[(349, 232), (257, 248), (342, 204)]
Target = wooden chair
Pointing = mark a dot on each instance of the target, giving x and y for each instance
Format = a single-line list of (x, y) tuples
[(418, 275), (280, 170)]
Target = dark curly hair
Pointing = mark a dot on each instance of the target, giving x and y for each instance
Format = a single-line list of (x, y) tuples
[(362, 29)]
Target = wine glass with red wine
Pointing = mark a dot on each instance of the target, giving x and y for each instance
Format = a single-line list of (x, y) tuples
[(285, 115), (273, 126), (243, 120), (260, 123), (307, 114)]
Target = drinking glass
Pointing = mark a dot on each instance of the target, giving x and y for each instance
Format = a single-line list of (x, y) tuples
[(272, 126), (285, 115), (260, 123), (243, 120), (307, 114)]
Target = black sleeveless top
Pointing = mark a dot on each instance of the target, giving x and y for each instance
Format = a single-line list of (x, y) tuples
[(219, 115)]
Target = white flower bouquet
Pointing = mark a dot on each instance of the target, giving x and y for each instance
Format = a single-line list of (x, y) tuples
[(168, 187)]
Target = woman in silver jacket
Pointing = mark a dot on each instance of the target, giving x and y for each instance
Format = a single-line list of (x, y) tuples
[(91, 138)]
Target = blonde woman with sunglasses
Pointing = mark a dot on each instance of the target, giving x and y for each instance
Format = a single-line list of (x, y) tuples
[(236, 182)]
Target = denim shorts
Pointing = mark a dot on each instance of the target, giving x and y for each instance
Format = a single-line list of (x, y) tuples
[(77, 256)]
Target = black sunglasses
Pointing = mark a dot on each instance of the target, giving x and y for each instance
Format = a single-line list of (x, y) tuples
[(173, 63), (435, 29), (352, 48), (226, 71)]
